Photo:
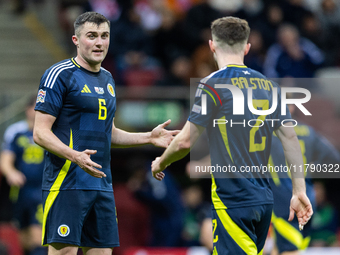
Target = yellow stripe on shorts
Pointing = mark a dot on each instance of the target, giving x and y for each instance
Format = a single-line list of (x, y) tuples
[(54, 191), (236, 233), (285, 229)]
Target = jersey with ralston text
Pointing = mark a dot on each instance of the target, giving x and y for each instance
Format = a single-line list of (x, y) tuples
[(84, 104), (239, 141)]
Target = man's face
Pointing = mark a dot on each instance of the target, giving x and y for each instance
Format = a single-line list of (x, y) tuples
[(93, 42)]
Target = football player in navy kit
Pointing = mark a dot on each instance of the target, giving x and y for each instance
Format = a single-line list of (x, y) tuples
[(75, 112), (242, 201), (22, 163)]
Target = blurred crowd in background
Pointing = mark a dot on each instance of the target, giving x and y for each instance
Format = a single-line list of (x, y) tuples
[(165, 43)]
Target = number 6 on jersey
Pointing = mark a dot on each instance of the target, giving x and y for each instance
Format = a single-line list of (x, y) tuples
[(102, 109)]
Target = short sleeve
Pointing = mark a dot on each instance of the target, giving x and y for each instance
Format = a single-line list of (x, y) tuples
[(204, 107), (51, 92), (13, 145), (12, 131)]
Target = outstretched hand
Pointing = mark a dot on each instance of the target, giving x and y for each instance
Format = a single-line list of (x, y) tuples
[(301, 206), (161, 137), (83, 159)]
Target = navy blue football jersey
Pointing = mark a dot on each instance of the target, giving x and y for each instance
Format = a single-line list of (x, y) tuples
[(238, 141), (84, 104), (315, 149), (29, 159)]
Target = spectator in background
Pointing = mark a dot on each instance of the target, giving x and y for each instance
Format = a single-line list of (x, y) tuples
[(311, 29), (22, 163), (197, 24), (68, 11), (195, 213), (132, 214), (329, 16), (20, 6), (294, 11), (165, 205), (179, 74), (131, 51), (109, 8), (226, 7), (150, 13), (256, 56), (181, 7), (252, 11), (292, 56), (268, 25), (325, 220), (168, 40), (202, 61)]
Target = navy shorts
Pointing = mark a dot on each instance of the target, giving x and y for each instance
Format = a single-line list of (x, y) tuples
[(241, 230), (28, 208), (288, 237), (85, 218)]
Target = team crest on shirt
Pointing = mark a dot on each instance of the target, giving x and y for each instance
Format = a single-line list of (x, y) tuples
[(41, 96), (99, 90), (111, 90), (63, 230)]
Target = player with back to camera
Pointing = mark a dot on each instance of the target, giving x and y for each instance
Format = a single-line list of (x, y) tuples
[(74, 122), (315, 150), (243, 202)]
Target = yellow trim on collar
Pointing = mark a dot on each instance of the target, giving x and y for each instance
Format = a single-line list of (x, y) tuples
[(74, 62), (240, 66)]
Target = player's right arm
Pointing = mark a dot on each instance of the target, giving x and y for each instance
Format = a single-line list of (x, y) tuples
[(300, 203), (178, 148), (43, 136)]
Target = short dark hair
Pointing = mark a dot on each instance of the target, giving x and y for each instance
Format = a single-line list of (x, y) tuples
[(230, 31), (92, 17)]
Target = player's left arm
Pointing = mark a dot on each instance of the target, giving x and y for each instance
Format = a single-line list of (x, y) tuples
[(178, 149), (300, 203), (159, 137)]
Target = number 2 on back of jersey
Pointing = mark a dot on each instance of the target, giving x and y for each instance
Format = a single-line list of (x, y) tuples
[(264, 104), (102, 109)]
